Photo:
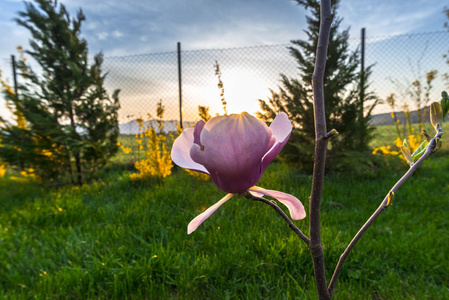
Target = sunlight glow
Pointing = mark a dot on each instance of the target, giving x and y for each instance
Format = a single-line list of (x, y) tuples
[(243, 88)]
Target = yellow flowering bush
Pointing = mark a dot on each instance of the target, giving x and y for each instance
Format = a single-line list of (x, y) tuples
[(125, 149), (2, 170), (413, 143), (27, 176), (6, 87), (157, 161), (26, 173)]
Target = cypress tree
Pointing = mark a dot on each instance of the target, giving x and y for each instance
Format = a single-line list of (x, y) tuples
[(71, 123), (343, 91)]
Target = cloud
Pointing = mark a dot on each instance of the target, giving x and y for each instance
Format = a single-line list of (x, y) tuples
[(387, 18), (102, 35), (157, 26), (117, 34)]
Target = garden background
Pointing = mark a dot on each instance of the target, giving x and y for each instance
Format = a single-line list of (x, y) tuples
[(117, 238), (248, 74)]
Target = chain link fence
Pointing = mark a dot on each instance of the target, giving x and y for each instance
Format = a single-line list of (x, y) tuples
[(399, 62), (249, 73)]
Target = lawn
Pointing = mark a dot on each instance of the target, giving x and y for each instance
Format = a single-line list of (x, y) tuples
[(385, 135), (120, 239)]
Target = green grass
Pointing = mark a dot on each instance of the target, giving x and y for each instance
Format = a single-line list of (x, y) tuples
[(117, 239), (385, 135)]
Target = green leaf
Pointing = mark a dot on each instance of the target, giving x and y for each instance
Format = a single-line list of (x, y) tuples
[(419, 154), (420, 151), (421, 147)]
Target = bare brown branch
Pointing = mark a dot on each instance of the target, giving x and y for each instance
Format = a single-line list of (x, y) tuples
[(385, 203), (273, 204), (315, 246)]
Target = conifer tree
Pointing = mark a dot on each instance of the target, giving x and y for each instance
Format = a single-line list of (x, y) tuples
[(72, 125), (343, 92)]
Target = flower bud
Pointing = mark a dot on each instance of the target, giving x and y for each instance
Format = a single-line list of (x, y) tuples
[(334, 132), (405, 143), (407, 155), (436, 115)]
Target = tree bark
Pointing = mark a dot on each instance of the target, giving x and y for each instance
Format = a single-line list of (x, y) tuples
[(315, 245)]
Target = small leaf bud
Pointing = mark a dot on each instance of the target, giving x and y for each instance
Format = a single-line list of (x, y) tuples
[(436, 115), (426, 135), (390, 198), (407, 155)]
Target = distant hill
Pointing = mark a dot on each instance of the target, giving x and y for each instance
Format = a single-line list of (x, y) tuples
[(132, 127), (386, 119)]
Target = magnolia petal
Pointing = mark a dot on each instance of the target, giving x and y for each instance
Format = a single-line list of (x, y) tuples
[(197, 132), (256, 194), (180, 153), (294, 206), (231, 150), (193, 225), (281, 128)]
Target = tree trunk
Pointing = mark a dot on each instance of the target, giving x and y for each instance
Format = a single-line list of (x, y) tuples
[(79, 167)]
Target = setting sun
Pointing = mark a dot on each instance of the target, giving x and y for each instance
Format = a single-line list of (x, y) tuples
[(243, 88)]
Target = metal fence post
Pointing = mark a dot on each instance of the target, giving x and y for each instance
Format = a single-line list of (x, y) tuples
[(362, 82), (179, 84)]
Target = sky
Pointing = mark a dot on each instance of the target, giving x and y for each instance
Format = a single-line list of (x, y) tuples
[(130, 27), (119, 27)]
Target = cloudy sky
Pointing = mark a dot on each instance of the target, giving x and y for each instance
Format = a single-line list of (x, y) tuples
[(118, 27)]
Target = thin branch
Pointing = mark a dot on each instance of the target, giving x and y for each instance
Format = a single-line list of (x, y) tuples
[(315, 245), (385, 203), (273, 204)]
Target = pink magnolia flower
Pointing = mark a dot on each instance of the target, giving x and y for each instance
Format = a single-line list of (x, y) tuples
[(235, 150)]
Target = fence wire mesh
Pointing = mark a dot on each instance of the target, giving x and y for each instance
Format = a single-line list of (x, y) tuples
[(402, 60), (249, 73)]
